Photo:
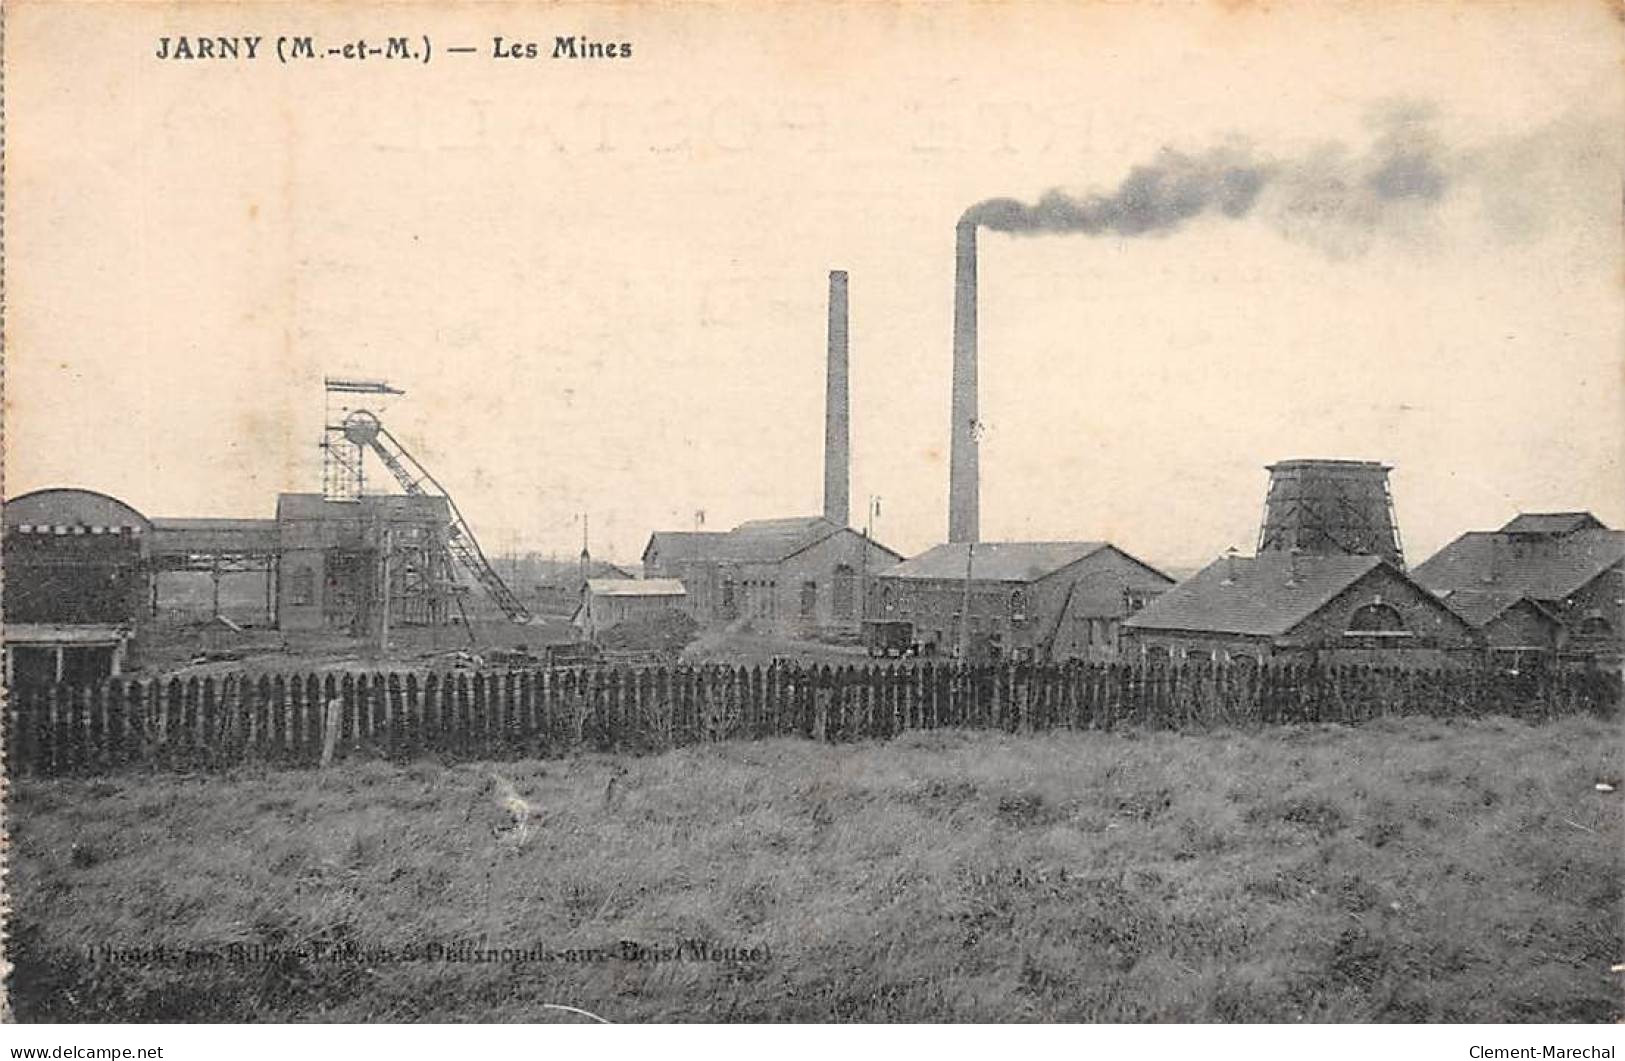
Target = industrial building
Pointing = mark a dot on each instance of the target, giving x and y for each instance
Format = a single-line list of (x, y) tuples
[(1546, 587), (81, 558), (77, 585), (555, 587), (83, 569), (608, 602), (1016, 599), (1290, 606), (1326, 585), (226, 552), (1039, 601), (802, 576), (336, 557)]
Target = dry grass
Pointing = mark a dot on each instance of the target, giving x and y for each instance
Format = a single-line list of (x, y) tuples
[(1412, 870)]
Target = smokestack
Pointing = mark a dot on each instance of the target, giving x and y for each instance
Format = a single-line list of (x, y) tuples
[(964, 471), (837, 449)]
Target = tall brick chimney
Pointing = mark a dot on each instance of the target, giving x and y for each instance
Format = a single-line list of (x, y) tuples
[(964, 471), (837, 444)]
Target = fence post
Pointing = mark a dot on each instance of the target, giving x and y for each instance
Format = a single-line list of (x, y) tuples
[(527, 711), (394, 708), (332, 722), (282, 717), (461, 717), (433, 714)]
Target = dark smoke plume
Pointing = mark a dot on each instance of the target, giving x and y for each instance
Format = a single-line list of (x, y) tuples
[(1328, 197), (1153, 198)]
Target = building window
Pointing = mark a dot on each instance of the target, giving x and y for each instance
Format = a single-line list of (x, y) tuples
[(1156, 654), (1197, 655), (1018, 606), (809, 600), (888, 599), (845, 587), (1377, 618), (304, 587), (1595, 626), (728, 601), (1242, 659)]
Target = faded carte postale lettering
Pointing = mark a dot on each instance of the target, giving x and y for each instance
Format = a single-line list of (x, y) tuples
[(933, 513)]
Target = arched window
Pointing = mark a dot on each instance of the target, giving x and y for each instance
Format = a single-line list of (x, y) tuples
[(1595, 626), (1377, 618), (888, 598), (844, 592), (809, 600), (1018, 606)]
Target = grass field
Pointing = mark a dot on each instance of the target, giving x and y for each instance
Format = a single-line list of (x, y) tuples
[(1410, 870)]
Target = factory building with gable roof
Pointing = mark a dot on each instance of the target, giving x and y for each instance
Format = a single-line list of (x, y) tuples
[(803, 576), (1284, 606), (1546, 585), (1326, 586), (1038, 601)]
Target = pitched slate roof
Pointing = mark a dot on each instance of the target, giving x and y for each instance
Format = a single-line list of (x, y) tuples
[(684, 545), (769, 540), (756, 541), (994, 561), (185, 536), (1481, 607), (1546, 570), (636, 587), (1552, 523), (1262, 599)]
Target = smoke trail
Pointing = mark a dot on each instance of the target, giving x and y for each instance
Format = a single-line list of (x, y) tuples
[(1157, 197), (1329, 197)]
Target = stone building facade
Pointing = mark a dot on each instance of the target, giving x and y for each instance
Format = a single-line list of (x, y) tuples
[(801, 577), (1298, 608), (1027, 600)]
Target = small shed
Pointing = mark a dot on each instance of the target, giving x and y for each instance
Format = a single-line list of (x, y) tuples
[(607, 602), (40, 654)]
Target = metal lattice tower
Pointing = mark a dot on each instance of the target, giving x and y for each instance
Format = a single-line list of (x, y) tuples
[(364, 431), (344, 474), (1331, 508)]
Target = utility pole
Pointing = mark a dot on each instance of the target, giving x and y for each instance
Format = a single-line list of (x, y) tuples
[(872, 511), (964, 607), (586, 554), (383, 590)]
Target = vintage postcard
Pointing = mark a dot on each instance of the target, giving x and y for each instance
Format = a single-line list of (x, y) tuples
[(819, 512)]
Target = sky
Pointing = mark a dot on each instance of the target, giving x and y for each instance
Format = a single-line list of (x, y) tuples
[(602, 283)]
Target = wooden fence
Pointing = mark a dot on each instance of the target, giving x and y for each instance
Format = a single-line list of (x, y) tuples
[(205, 724)]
